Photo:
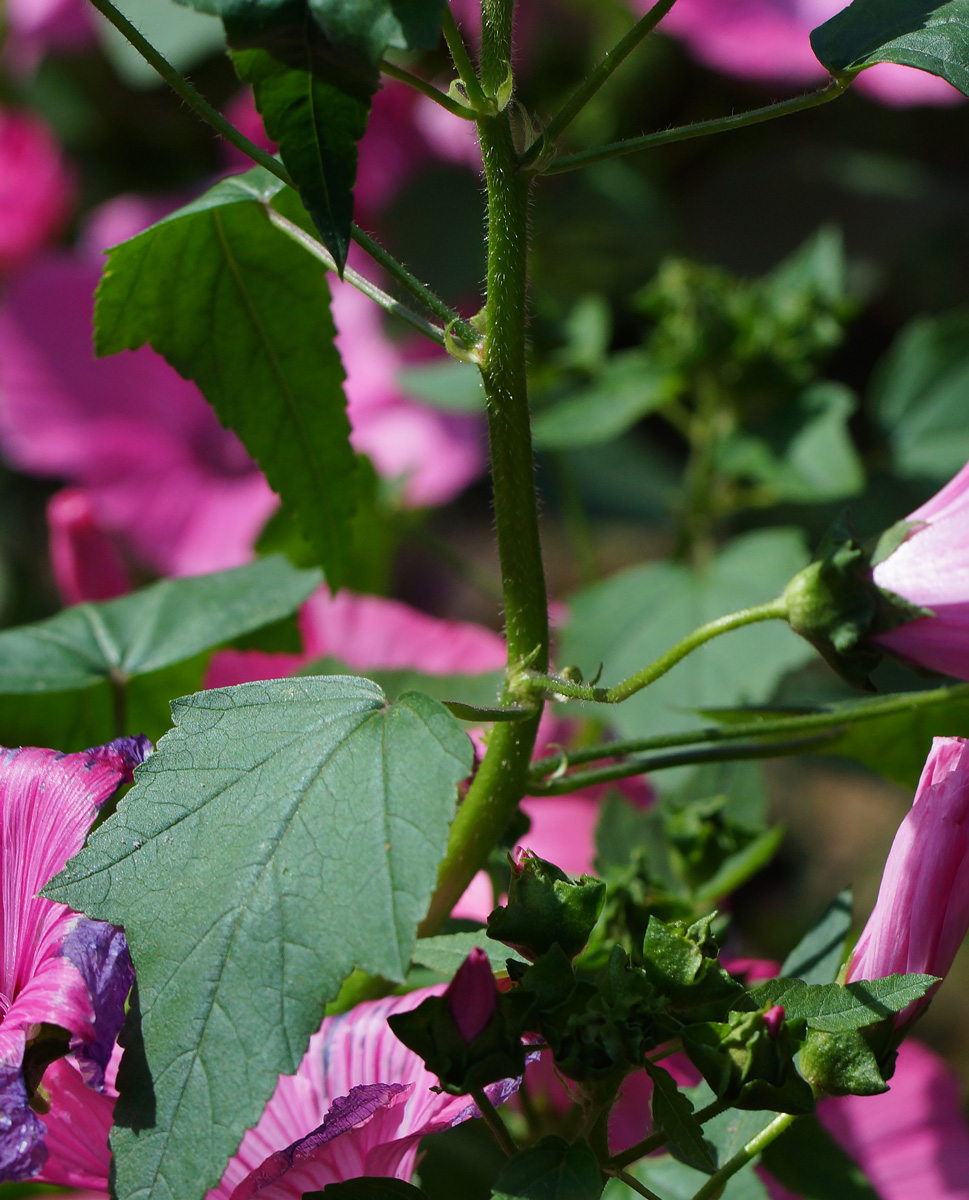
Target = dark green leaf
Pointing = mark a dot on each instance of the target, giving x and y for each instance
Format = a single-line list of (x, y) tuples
[(837, 1008), (808, 1161), (633, 618), (314, 105), (817, 956), (447, 952), (628, 389), (929, 35), (368, 1188), (236, 305), (308, 845), (551, 1170), (64, 675), (673, 1113), (739, 867), (919, 395)]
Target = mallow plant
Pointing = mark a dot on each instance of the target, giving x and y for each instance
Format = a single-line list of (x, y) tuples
[(317, 928)]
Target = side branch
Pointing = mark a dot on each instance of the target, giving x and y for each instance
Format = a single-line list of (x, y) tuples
[(585, 158)]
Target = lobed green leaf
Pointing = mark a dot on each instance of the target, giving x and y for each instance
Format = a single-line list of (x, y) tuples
[(838, 1008), (282, 834), (234, 304)]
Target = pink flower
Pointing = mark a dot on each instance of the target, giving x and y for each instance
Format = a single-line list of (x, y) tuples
[(36, 187), (85, 561), (35, 27), (432, 455), (911, 1141), (58, 968), (160, 472), (768, 41), (931, 569), (922, 912), (358, 1104), (369, 633)]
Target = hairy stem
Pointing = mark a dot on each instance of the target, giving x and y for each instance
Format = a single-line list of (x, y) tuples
[(831, 721), (427, 89), (585, 158), (773, 611), (500, 781), (462, 62)]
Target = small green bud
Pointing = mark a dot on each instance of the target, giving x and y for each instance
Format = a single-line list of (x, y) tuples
[(546, 907)]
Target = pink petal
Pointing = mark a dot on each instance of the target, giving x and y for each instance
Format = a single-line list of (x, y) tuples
[(36, 187), (85, 562), (77, 1128)]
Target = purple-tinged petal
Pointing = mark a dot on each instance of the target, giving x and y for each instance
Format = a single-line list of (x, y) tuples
[(352, 1051), (22, 1150), (100, 953), (302, 1167)]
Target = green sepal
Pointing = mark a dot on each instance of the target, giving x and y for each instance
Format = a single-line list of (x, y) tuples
[(496, 1053), (680, 961), (836, 606), (748, 1066), (545, 907), (856, 1063)]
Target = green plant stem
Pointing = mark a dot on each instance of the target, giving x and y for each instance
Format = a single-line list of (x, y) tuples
[(499, 782), (829, 721), (632, 1182), (585, 158), (462, 61), (360, 282), (761, 1141), (775, 610), (593, 82), (494, 1122), (657, 1140), (197, 102), (743, 751), (427, 89)]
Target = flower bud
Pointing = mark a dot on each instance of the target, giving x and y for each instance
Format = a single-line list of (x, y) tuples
[(472, 995), (546, 907), (922, 912)]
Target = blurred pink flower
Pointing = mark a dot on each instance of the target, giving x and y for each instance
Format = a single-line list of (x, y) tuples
[(369, 633), (922, 912), (432, 455), (36, 187), (36, 27), (58, 968), (85, 561), (768, 41), (931, 569), (911, 1141), (358, 1104)]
